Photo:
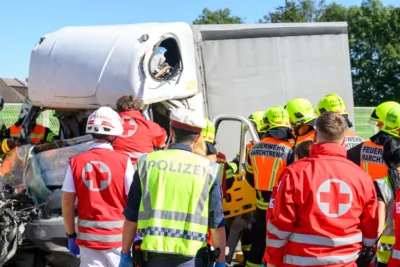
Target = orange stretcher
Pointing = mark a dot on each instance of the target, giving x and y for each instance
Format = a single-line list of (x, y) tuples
[(240, 198)]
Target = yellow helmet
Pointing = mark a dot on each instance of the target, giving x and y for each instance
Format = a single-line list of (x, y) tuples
[(300, 111), (276, 117), (208, 133), (331, 102), (380, 112), (392, 122), (258, 119)]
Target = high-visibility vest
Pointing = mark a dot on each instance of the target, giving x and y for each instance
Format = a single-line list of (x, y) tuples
[(268, 159), (100, 188), (36, 135), (387, 239), (371, 160), (306, 137), (173, 213), (352, 140)]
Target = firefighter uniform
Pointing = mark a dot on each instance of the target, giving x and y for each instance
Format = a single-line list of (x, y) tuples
[(38, 134), (368, 155), (100, 179), (334, 103), (325, 210), (268, 159), (140, 136)]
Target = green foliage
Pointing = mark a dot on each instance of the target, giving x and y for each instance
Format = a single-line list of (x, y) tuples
[(220, 16)]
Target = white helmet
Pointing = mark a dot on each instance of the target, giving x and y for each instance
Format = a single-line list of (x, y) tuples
[(24, 110), (104, 121)]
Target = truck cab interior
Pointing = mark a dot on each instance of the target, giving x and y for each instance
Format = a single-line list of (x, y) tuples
[(172, 58)]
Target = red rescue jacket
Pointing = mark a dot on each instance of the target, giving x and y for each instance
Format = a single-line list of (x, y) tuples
[(140, 135), (99, 183), (324, 210), (394, 260)]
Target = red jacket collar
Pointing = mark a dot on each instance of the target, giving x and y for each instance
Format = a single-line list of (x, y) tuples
[(131, 113), (328, 149)]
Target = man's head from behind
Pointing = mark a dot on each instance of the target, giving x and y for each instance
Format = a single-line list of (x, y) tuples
[(330, 128), (186, 126), (129, 102)]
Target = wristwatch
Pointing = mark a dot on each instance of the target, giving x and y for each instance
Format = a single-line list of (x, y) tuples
[(71, 236)]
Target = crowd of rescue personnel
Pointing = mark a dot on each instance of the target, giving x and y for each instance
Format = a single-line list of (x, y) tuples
[(324, 196)]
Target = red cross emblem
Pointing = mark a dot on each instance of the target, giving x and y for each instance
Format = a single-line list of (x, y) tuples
[(130, 127), (96, 175), (334, 197)]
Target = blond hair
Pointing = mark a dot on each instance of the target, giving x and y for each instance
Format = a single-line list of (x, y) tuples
[(199, 147)]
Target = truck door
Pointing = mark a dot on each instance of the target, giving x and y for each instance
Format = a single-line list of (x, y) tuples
[(169, 64)]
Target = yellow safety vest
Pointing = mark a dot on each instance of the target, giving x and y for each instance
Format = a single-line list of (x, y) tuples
[(387, 239), (173, 213)]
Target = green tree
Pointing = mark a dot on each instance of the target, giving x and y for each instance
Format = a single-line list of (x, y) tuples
[(220, 16), (374, 52), (296, 11), (374, 42)]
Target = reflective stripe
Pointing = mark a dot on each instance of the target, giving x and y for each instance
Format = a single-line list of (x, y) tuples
[(385, 246), (250, 264), (396, 254), (273, 230), (99, 238), (50, 136), (368, 242), (245, 247), (325, 241), (173, 215), (327, 260), (97, 224), (262, 205), (33, 135), (175, 233), (275, 243), (135, 155), (146, 194)]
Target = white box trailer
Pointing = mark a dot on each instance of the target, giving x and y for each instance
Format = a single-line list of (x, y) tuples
[(218, 69)]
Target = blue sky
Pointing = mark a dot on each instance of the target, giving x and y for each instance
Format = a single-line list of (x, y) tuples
[(23, 22)]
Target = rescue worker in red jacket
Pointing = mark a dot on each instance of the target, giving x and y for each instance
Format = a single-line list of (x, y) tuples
[(392, 150), (368, 155), (268, 159), (325, 209), (12, 136), (302, 151), (140, 136), (334, 103), (99, 180)]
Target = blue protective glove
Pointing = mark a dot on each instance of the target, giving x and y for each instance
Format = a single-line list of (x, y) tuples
[(126, 260), (72, 247), (137, 238), (222, 264), (264, 264)]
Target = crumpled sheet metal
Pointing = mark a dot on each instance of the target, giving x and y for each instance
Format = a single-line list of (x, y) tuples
[(37, 171)]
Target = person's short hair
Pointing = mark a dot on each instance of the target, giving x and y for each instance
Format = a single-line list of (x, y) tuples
[(302, 150), (129, 102), (331, 127), (184, 136)]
